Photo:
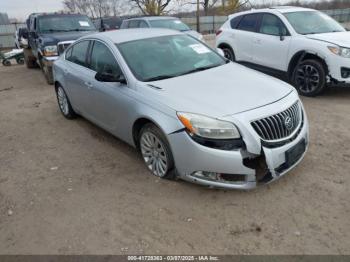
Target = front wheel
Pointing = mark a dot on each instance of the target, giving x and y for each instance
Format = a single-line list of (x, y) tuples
[(156, 152), (64, 104), (6, 62), (309, 78), (47, 70)]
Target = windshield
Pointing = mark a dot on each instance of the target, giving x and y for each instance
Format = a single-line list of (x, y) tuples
[(168, 56), (169, 23), (65, 23), (313, 22)]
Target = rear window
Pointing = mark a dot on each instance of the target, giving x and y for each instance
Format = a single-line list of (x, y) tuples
[(248, 23)]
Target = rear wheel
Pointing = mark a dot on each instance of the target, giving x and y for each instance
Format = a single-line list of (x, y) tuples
[(20, 61), (309, 78), (64, 103), (228, 53), (156, 152)]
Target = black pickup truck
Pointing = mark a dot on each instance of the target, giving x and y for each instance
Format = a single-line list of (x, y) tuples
[(49, 35)]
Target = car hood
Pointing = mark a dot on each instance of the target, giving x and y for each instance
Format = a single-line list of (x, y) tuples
[(217, 92), (338, 38), (54, 38)]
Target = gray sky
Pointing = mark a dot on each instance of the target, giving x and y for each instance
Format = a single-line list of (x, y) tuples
[(20, 9)]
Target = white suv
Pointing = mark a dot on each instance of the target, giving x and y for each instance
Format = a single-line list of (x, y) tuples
[(308, 46)]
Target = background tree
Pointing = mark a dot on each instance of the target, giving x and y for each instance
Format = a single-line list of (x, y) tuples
[(95, 8), (152, 7)]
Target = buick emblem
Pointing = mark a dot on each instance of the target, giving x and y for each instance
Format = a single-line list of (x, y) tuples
[(288, 122)]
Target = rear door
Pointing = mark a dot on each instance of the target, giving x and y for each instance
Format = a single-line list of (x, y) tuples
[(78, 76), (271, 44), (244, 35)]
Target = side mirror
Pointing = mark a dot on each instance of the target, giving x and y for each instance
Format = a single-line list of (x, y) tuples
[(108, 77), (219, 50)]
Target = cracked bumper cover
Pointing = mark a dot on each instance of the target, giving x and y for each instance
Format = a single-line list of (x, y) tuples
[(191, 157)]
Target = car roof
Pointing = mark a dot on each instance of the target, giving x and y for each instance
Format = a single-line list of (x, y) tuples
[(126, 35), (275, 9), (152, 18)]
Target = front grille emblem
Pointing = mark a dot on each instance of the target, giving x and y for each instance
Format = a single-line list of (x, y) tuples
[(288, 122)]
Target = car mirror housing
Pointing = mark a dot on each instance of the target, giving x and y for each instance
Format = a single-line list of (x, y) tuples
[(108, 77)]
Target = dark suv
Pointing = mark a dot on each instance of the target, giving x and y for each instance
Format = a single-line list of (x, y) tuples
[(49, 35)]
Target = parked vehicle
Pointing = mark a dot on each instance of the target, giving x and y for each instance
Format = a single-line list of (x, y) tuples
[(49, 35), (192, 113), (20, 40), (108, 23), (308, 46), (160, 22), (15, 54)]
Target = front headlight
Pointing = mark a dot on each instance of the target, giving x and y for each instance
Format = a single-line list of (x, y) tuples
[(341, 51), (208, 127), (50, 50)]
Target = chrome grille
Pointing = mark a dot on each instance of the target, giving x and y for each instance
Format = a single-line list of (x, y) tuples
[(279, 126), (63, 46)]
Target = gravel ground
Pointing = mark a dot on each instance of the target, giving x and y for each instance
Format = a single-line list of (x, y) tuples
[(68, 187)]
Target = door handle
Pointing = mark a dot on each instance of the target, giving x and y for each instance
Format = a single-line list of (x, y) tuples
[(89, 85), (65, 71), (257, 41)]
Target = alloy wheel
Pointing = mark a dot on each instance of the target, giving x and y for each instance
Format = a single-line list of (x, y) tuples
[(228, 54), (62, 101), (154, 154), (307, 78)]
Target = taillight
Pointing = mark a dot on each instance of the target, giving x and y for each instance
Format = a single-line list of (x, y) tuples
[(218, 32)]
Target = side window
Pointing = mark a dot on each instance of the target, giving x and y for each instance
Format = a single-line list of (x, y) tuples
[(272, 25), (143, 24), (78, 53), (69, 54), (248, 23), (125, 24), (235, 21), (103, 61), (134, 23)]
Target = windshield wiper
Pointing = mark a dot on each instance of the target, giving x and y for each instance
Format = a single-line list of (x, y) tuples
[(160, 77), (79, 30), (198, 69), (55, 30)]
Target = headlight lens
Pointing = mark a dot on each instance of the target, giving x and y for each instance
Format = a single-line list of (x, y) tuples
[(208, 127), (50, 50), (341, 51)]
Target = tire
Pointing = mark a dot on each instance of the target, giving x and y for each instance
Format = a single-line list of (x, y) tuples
[(229, 54), (6, 62), (156, 152), (47, 70), (20, 61), (29, 60), (309, 78), (64, 103)]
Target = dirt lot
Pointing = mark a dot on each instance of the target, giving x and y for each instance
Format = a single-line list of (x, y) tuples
[(68, 187)]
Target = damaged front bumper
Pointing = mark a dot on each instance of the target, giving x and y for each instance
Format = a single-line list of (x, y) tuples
[(256, 163)]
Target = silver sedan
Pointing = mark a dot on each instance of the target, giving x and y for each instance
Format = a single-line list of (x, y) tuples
[(191, 113)]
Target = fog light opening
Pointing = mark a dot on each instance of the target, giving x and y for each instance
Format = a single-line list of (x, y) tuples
[(345, 72), (219, 177)]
